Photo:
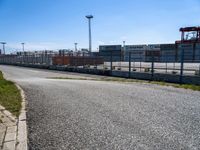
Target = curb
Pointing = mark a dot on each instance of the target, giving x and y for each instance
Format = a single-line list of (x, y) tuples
[(22, 140)]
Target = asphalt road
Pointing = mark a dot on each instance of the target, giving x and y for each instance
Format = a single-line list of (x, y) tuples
[(82, 114)]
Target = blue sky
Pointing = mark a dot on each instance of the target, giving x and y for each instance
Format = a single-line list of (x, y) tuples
[(54, 24)]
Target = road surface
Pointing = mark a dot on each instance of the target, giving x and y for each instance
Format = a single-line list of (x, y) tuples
[(82, 114)]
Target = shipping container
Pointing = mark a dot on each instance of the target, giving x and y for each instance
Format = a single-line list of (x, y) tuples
[(197, 52), (153, 47), (77, 60), (135, 47), (110, 48), (189, 52), (136, 55), (106, 51), (166, 47)]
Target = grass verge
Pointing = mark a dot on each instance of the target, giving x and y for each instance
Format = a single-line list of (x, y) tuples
[(10, 96), (116, 79)]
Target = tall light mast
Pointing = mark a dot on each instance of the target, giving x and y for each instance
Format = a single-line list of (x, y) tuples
[(23, 46), (89, 17), (4, 51), (75, 46)]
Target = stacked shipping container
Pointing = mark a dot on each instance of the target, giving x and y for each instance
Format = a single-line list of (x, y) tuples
[(108, 51), (152, 53), (168, 52), (188, 52), (197, 52), (137, 52), (77, 60)]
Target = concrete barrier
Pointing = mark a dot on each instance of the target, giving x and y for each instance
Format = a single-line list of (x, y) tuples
[(157, 77)]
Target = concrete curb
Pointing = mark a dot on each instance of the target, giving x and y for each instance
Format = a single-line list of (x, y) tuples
[(22, 140)]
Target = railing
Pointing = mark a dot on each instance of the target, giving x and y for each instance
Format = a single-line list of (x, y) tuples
[(182, 65)]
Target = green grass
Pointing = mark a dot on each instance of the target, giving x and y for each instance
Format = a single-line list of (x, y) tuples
[(116, 79), (10, 96), (184, 86)]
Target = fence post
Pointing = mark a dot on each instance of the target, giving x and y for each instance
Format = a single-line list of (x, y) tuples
[(152, 67), (63, 58), (42, 56), (182, 66), (129, 65), (111, 61), (199, 69)]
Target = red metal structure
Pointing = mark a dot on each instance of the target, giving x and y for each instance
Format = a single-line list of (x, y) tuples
[(189, 35)]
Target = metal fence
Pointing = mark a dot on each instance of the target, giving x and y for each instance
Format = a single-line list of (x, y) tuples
[(182, 65), (179, 66), (29, 59)]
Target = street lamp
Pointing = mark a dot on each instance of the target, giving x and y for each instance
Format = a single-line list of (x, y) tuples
[(89, 17), (124, 48), (3, 43), (23, 52), (124, 42), (75, 46), (23, 46)]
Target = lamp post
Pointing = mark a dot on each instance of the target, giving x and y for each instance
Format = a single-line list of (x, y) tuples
[(23, 46), (23, 52), (3, 43), (124, 42), (75, 46), (89, 17), (124, 47)]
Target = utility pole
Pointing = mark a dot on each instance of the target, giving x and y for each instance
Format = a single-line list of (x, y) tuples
[(89, 17), (4, 51)]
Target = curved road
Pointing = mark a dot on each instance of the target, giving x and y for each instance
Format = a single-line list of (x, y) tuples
[(83, 114)]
